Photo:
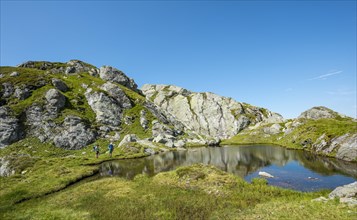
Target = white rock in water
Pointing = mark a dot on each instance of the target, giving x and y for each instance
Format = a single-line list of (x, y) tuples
[(265, 174)]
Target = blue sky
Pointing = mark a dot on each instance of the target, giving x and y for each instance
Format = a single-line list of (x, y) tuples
[(287, 56)]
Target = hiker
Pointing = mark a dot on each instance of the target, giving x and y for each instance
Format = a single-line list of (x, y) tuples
[(96, 150), (110, 148)]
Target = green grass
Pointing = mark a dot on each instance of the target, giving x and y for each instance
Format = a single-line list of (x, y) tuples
[(195, 192), (37, 97), (27, 76), (48, 169)]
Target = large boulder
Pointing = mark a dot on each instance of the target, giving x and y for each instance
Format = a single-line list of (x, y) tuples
[(129, 138), (60, 85), (10, 129), (106, 108), (118, 94), (74, 134), (346, 193), (56, 101), (112, 74), (349, 190)]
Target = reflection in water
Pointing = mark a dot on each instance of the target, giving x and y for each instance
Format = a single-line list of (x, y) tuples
[(289, 166)]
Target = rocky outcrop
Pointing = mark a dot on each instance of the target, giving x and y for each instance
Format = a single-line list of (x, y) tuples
[(345, 146), (346, 193), (206, 113), (348, 148), (56, 101), (60, 85), (318, 113), (76, 66), (22, 93), (71, 67), (74, 134), (106, 108), (164, 117), (143, 121), (129, 138), (158, 128), (5, 169), (7, 90), (118, 94), (40, 123), (274, 129), (112, 74), (10, 129)]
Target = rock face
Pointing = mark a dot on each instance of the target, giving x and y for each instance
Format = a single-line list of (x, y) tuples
[(112, 74), (118, 94), (348, 148), (206, 113), (345, 146), (106, 108), (55, 100), (143, 121), (39, 122), (10, 129), (74, 134), (318, 113)]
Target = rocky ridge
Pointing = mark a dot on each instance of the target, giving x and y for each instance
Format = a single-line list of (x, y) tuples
[(206, 113), (74, 104)]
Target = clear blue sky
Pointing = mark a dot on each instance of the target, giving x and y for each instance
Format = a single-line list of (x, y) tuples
[(287, 56)]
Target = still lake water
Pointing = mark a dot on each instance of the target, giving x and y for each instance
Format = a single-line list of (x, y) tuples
[(293, 169)]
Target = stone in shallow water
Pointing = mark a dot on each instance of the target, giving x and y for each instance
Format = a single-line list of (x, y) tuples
[(265, 174)]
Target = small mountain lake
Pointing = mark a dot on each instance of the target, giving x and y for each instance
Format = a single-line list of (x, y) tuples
[(293, 169)]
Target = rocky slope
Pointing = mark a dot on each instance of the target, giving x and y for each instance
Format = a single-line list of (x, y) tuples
[(72, 105), (318, 129)]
